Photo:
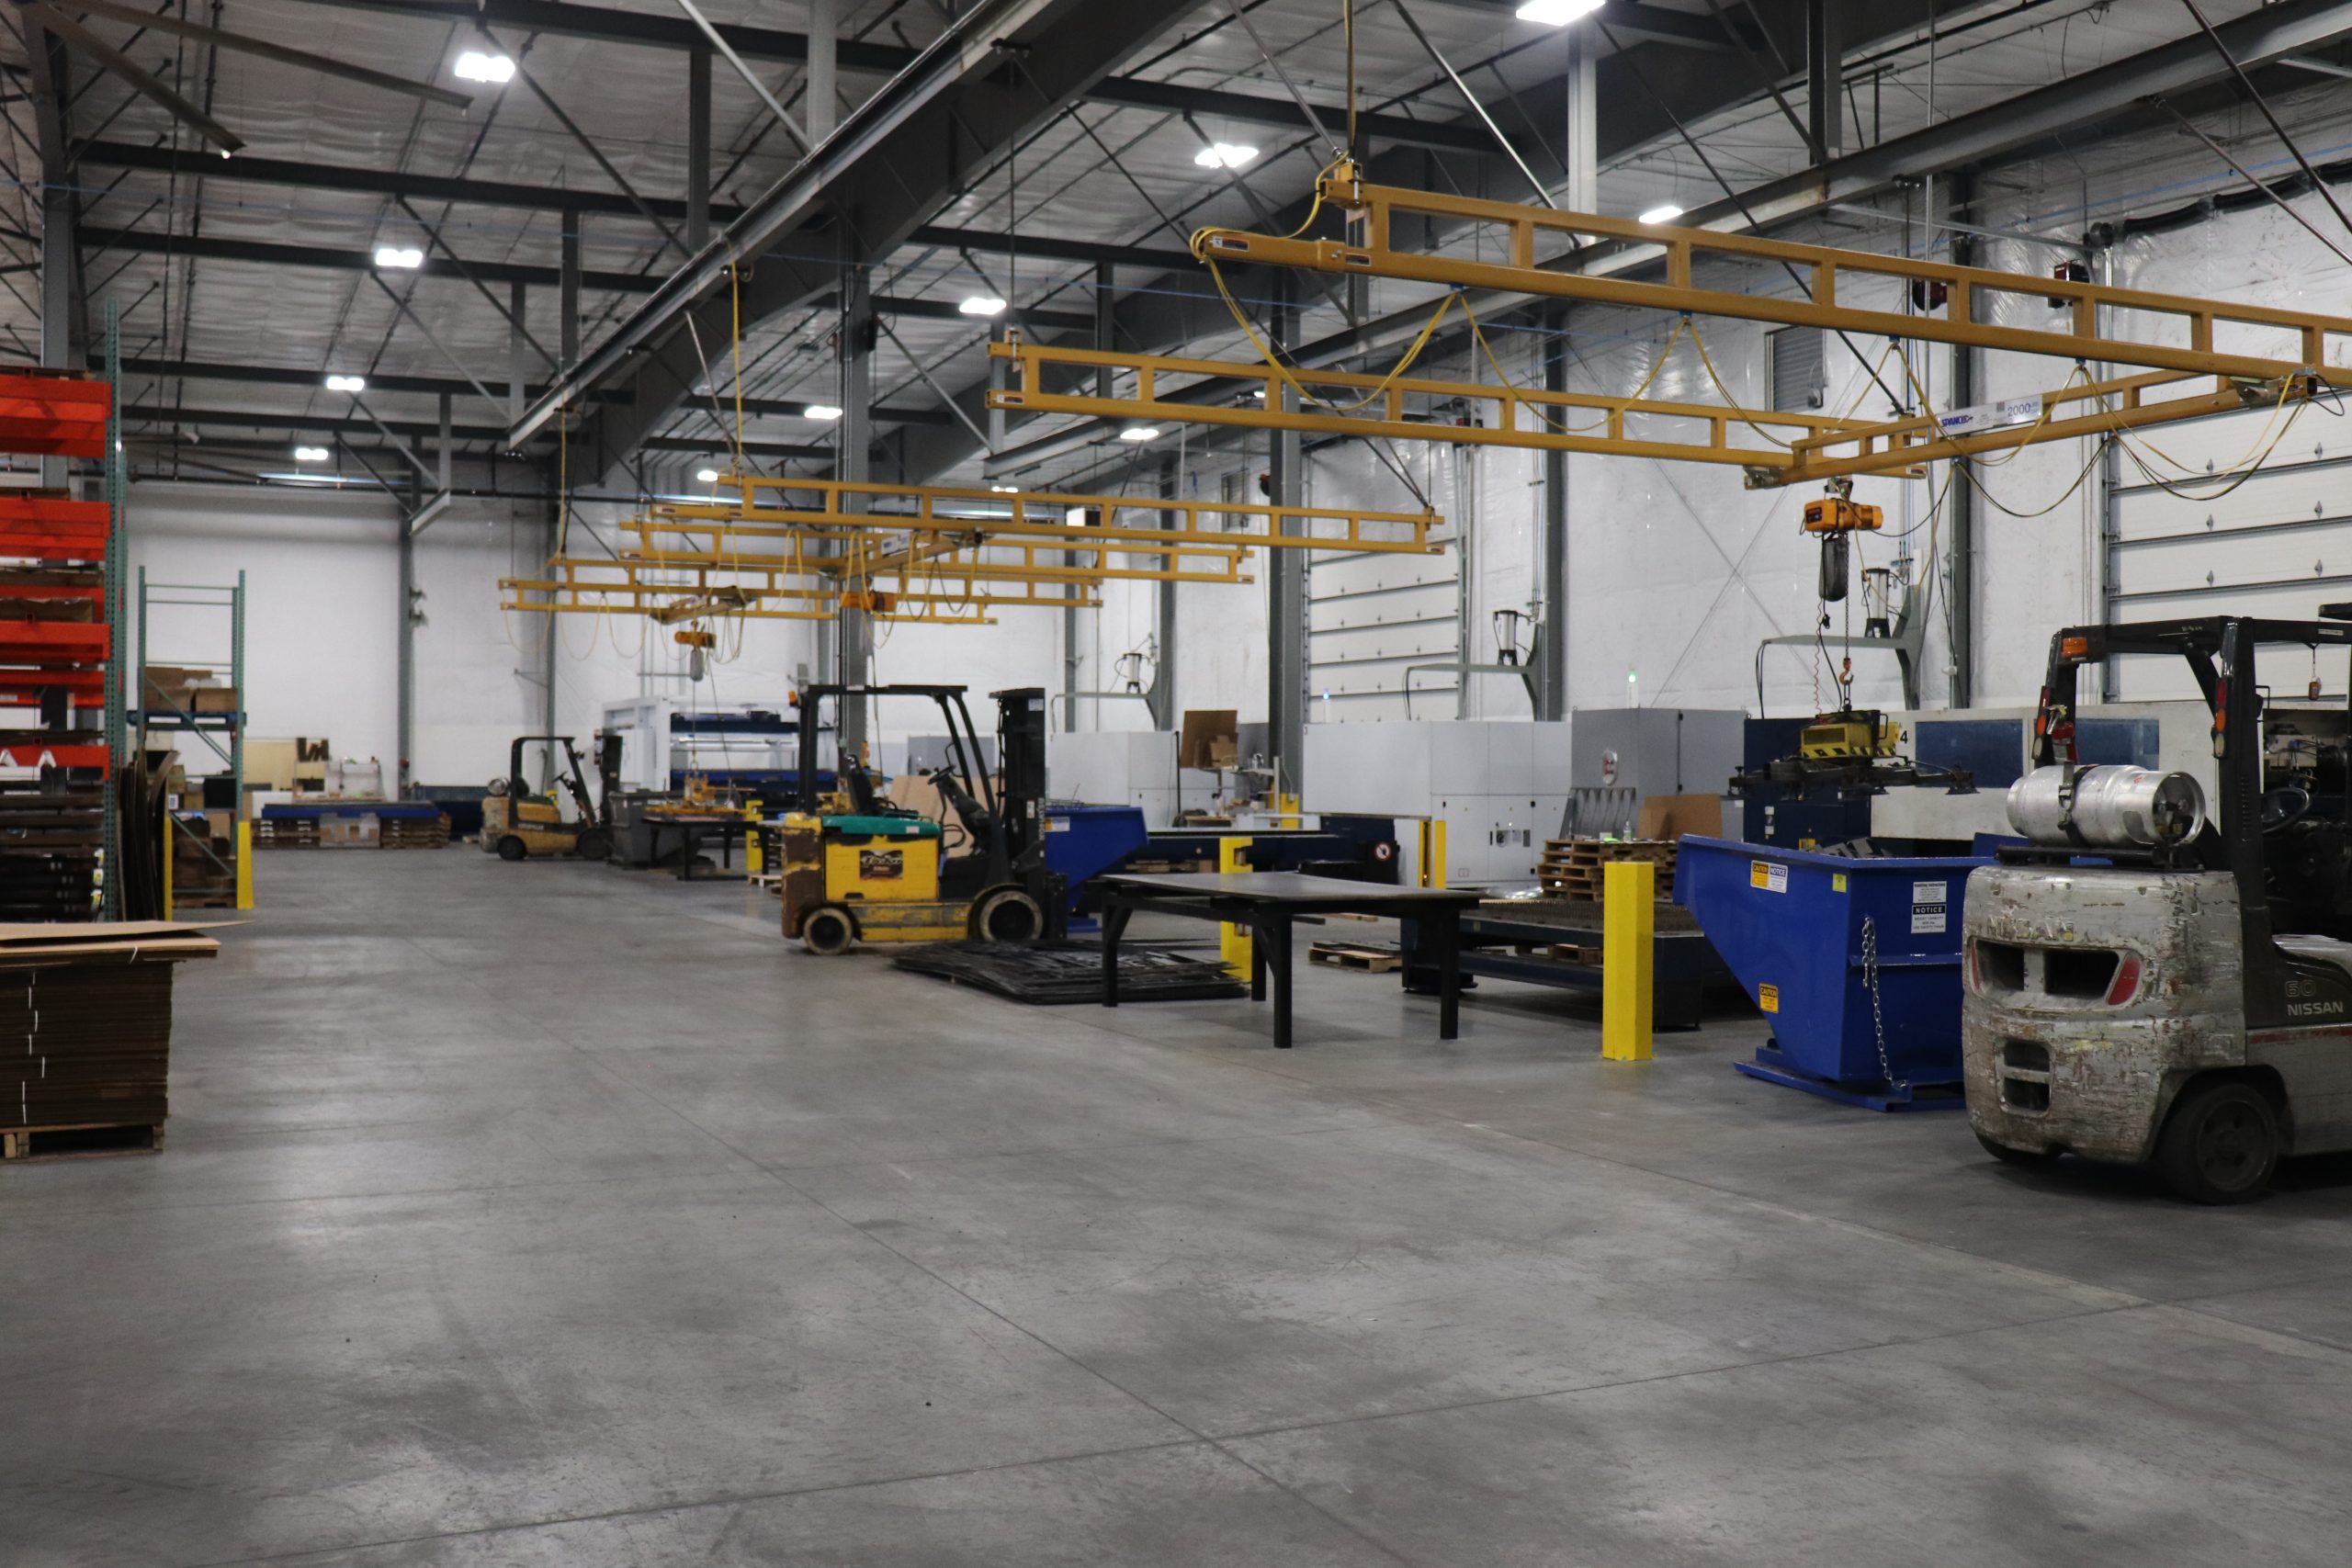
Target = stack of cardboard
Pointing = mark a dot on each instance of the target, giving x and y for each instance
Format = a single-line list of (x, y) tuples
[(85, 1012)]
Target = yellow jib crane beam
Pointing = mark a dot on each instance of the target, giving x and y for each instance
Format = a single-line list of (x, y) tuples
[(2086, 335)]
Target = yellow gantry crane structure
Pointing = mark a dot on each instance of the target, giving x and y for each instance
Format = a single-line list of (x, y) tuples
[(2197, 356), (787, 549)]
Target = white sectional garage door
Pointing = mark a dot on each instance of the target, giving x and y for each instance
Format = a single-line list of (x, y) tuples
[(2279, 545)]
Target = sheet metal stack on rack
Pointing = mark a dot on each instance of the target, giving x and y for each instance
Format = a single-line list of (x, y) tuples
[(87, 1014), (55, 642)]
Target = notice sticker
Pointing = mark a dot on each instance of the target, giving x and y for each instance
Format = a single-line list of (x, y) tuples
[(1768, 997), (1767, 874), (1836, 881), (1931, 907)]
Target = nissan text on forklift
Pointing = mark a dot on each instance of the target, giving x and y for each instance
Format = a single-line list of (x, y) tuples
[(2145, 984), (857, 868)]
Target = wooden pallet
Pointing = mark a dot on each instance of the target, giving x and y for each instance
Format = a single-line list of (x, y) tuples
[(204, 898), (87, 1140), (1560, 953), (1578, 868), (1349, 955)]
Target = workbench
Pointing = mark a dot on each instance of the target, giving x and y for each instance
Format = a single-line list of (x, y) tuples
[(1268, 904), (692, 828)]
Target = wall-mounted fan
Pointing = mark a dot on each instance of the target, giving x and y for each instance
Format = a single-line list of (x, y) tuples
[(58, 17)]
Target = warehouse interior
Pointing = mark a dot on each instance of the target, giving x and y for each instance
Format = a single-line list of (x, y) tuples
[(679, 672)]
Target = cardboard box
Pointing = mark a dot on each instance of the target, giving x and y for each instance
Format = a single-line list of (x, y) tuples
[(1211, 738), (169, 685), (1671, 816), (216, 699), (221, 825)]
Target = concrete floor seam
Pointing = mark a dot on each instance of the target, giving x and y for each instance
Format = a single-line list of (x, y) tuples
[(731, 1500)]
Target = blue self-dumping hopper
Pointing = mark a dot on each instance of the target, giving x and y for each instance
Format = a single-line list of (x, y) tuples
[(1791, 927)]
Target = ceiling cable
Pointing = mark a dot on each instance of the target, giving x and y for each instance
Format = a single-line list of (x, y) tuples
[(2260, 103)]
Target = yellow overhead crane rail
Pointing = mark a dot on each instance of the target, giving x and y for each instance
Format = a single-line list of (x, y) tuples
[(1950, 287), (768, 507), (1520, 416), (933, 553)]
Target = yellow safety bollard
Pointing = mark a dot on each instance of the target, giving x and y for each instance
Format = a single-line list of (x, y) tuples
[(1629, 917), (244, 865), (1233, 941), (171, 852), (1431, 872)]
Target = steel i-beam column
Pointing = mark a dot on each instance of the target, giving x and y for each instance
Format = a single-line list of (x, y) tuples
[(518, 347), (855, 432), (1286, 578), (1552, 631), (823, 108), (1961, 493), (1162, 694), (1825, 78), (567, 290), (699, 150)]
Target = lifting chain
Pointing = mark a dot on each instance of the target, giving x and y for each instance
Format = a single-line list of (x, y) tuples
[(1878, 1014)]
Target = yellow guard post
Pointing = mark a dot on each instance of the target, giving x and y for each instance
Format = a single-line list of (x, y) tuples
[(1233, 941), (244, 865), (1629, 917)]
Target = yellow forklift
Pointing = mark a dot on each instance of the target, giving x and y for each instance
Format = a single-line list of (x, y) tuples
[(519, 824), (857, 868)]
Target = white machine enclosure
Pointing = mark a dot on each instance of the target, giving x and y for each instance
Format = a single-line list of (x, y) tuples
[(1501, 785), (1120, 767)]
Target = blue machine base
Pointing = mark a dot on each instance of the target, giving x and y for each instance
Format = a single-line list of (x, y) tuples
[(1771, 1066)]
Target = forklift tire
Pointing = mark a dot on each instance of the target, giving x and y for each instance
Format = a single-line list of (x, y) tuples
[(593, 844), (1006, 914), (2220, 1143), (2029, 1159), (511, 848), (826, 931)]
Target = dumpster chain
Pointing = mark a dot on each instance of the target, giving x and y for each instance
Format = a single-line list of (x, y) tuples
[(1878, 1017)]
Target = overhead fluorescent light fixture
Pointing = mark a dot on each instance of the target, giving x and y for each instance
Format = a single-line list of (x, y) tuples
[(1140, 433), (399, 256), (706, 476), (820, 410), (1225, 155), (347, 383), (309, 454), (1005, 490), (473, 65), (1666, 214), (1558, 13), (982, 305)]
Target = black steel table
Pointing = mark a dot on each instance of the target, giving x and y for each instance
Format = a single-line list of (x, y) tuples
[(1268, 903), (690, 832)]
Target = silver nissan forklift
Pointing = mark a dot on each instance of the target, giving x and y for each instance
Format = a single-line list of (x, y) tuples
[(2149, 984)]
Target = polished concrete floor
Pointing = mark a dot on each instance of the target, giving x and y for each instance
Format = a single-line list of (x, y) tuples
[(548, 1216)]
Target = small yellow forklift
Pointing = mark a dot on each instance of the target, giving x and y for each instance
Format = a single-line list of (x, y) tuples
[(519, 824), (857, 868)]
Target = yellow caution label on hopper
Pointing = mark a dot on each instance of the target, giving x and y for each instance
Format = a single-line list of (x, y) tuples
[(1768, 997), (1836, 881), (1768, 875)]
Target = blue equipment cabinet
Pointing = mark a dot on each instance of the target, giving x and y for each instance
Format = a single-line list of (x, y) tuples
[(1802, 933), (1084, 841)]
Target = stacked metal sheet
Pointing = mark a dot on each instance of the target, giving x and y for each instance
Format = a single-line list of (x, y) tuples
[(85, 1022), (1060, 973)]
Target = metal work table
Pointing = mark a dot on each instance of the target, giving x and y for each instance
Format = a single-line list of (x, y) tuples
[(692, 828), (1269, 903), (1684, 964)]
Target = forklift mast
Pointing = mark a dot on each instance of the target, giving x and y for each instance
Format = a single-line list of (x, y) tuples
[(518, 788), (2219, 651)]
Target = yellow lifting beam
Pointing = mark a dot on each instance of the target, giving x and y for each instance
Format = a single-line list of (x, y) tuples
[(2086, 336)]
